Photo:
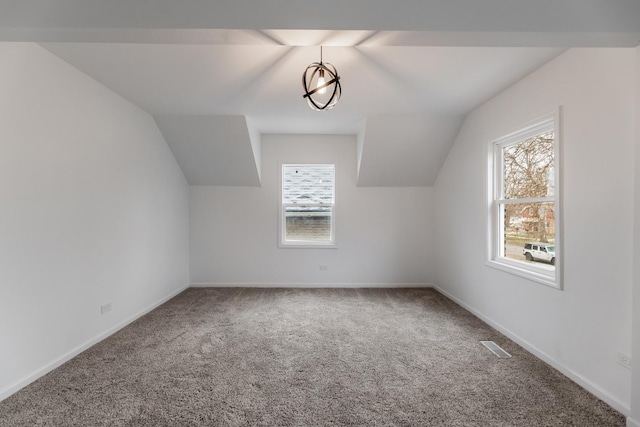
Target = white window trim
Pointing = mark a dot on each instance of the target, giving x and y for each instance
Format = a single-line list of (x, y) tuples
[(304, 244), (521, 269)]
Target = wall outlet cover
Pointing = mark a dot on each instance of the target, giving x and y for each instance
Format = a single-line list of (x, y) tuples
[(623, 359), (105, 308)]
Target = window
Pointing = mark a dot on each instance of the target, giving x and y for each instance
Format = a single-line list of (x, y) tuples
[(308, 206), (524, 209)]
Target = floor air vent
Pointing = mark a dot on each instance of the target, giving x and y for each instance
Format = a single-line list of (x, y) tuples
[(495, 349)]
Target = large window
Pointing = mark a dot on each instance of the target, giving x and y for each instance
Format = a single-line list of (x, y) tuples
[(524, 219), (308, 206)]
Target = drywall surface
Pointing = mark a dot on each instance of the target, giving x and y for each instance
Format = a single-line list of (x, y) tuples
[(383, 234), (581, 328), (635, 328), (93, 210)]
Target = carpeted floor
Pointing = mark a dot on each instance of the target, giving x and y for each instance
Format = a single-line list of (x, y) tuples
[(305, 357)]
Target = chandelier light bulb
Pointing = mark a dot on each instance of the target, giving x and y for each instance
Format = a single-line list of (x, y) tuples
[(322, 88)]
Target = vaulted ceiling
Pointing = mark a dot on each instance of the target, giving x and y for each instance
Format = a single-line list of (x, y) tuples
[(218, 75)]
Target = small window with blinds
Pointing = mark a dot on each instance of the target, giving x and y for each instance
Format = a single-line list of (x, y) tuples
[(308, 206)]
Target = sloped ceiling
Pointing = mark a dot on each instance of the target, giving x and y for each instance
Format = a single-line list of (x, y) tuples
[(211, 149), (412, 160), (217, 75)]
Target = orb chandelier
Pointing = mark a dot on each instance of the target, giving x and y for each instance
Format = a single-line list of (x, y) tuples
[(321, 84)]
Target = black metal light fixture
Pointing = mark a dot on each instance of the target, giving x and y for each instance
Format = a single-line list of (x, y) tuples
[(321, 84)]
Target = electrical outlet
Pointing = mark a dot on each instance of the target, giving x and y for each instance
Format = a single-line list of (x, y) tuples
[(323, 267), (105, 308), (624, 360)]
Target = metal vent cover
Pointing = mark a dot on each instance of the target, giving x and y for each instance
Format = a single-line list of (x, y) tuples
[(495, 349)]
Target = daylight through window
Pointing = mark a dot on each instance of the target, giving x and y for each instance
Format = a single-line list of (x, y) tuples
[(308, 204), (524, 204)]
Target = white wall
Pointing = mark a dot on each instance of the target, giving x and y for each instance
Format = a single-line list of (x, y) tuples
[(579, 329), (93, 209), (635, 383), (381, 233)]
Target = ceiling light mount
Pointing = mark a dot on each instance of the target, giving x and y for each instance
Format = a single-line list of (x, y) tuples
[(321, 84)]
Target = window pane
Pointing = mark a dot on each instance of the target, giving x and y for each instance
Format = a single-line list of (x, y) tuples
[(304, 223), (529, 228), (308, 184), (529, 168), (308, 197)]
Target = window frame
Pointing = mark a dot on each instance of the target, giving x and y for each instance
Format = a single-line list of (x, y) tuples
[(305, 244), (495, 213)]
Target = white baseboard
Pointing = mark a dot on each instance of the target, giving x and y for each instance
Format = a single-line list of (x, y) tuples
[(23, 382), (575, 377), (311, 285), (632, 423)]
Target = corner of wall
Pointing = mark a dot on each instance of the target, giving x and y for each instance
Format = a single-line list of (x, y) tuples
[(256, 144), (635, 290), (360, 147)]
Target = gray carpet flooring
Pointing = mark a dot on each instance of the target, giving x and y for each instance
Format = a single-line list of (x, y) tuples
[(305, 357)]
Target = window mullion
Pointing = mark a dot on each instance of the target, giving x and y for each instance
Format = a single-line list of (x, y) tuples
[(527, 200)]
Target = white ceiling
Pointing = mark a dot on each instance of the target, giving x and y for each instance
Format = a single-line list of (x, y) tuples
[(263, 81), (410, 71)]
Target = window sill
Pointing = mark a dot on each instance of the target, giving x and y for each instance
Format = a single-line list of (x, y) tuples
[(531, 273), (307, 245)]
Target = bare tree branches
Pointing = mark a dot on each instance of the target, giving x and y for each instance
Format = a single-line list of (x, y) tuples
[(528, 167), (529, 173)]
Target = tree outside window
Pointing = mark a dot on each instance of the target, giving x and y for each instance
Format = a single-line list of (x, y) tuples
[(524, 202)]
